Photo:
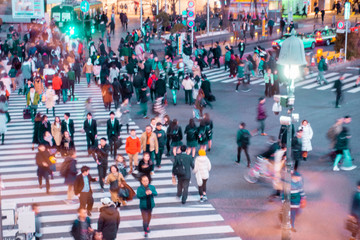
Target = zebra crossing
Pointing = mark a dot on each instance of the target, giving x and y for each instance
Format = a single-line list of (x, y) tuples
[(218, 75), (171, 219)]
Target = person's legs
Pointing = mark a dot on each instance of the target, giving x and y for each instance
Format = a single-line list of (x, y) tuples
[(70, 192), (179, 187), (89, 201), (88, 78), (293, 213), (83, 200), (173, 92), (100, 172), (185, 190), (337, 160), (247, 155), (238, 84), (159, 157), (203, 187), (186, 97), (347, 159), (338, 97)]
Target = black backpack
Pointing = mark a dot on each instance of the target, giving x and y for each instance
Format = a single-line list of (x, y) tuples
[(176, 84), (175, 134), (245, 139), (153, 85), (179, 168), (191, 133)]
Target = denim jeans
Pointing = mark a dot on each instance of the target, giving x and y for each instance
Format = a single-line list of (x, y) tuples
[(173, 92), (65, 95), (88, 78)]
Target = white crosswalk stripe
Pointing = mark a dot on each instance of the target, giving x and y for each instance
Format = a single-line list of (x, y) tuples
[(171, 219), (307, 82)]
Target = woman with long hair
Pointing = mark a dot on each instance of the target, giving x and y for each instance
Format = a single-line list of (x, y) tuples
[(191, 137), (165, 126), (176, 136), (146, 165), (209, 126), (56, 132), (116, 180)]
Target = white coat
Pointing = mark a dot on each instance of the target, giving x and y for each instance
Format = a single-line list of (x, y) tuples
[(202, 168), (306, 137), (51, 97)]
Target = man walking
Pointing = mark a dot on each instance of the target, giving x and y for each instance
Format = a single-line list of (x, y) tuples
[(149, 142), (271, 24), (261, 116), (338, 89), (217, 54), (161, 137), (243, 141), (113, 133), (321, 67), (82, 189), (181, 169), (101, 157), (68, 125), (32, 101), (109, 219), (241, 47), (90, 129), (133, 148)]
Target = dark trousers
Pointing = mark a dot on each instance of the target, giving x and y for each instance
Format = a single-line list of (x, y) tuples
[(127, 127), (227, 65), (268, 90), (239, 83), (202, 188), (86, 200), (241, 54), (43, 173), (113, 145), (158, 156), (168, 144), (116, 101), (102, 174), (217, 62), (245, 148), (53, 110), (188, 96), (72, 88), (90, 140), (271, 30), (58, 93), (152, 94), (146, 216), (181, 74), (77, 78), (338, 97), (182, 189), (209, 61)]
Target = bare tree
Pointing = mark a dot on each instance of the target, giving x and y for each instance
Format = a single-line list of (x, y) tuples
[(173, 6), (225, 6)]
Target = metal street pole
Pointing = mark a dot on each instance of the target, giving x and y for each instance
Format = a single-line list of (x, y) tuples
[(179, 8), (208, 17), (192, 37), (1, 227), (141, 15), (157, 7), (165, 6), (346, 37)]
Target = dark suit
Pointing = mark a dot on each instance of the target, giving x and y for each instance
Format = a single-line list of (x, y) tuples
[(70, 129), (102, 155), (113, 133), (184, 181), (85, 198), (91, 131)]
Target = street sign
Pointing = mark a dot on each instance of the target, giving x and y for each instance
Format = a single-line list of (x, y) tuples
[(347, 11), (191, 14), (191, 24), (180, 45), (184, 13), (84, 6), (340, 25)]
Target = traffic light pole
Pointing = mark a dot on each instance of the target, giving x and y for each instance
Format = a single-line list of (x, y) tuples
[(192, 37), (208, 17), (141, 15)]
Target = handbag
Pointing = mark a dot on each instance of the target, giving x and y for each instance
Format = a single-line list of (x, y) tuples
[(26, 113), (114, 186), (123, 193)]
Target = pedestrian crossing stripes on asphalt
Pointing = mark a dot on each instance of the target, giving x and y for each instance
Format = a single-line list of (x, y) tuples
[(307, 82), (171, 219)]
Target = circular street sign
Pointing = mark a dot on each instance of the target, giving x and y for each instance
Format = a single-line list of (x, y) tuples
[(84, 6), (340, 25), (190, 24), (191, 4), (190, 14)]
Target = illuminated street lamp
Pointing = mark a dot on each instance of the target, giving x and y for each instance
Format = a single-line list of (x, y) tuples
[(291, 57)]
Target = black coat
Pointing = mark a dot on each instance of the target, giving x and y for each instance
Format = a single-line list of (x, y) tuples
[(217, 52), (206, 87), (112, 130), (71, 129), (90, 130), (108, 222), (117, 89), (79, 183), (65, 82), (103, 154), (188, 163), (76, 228), (70, 176), (43, 129), (160, 87)]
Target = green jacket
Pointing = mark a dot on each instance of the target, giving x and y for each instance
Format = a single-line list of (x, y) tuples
[(148, 65), (36, 99), (227, 56), (321, 65), (269, 79), (71, 76), (161, 136), (240, 71), (239, 136), (342, 141), (157, 64), (141, 194)]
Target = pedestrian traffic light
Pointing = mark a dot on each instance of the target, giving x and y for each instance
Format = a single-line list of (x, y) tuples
[(92, 29), (71, 31), (191, 14)]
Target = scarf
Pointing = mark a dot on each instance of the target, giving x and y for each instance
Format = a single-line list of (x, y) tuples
[(49, 140)]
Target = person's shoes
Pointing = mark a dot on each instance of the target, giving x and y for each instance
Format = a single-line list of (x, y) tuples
[(248, 165), (168, 155), (293, 229), (348, 168), (183, 202), (304, 158), (355, 86), (178, 198), (40, 186), (209, 149), (201, 199), (146, 234), (152, 173), (336, 168), (236, 91), (338, 106), (89, 213), (148, 229), (246, 90), (47, 191), (205, 198), (146, 117), (237, 162), (264, 134)]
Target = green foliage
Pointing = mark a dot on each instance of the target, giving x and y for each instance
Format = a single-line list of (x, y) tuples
[(164, 18), (353, 44), (179, 27)]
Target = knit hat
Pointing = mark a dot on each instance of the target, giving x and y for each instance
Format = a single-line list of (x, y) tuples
[(106, 201), (202, 152)]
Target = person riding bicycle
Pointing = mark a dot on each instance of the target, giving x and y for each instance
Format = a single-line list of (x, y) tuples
[(269, 154)]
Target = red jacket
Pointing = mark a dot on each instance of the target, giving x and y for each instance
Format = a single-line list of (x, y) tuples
[(56, 83), (132, 146), (151, 79)]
